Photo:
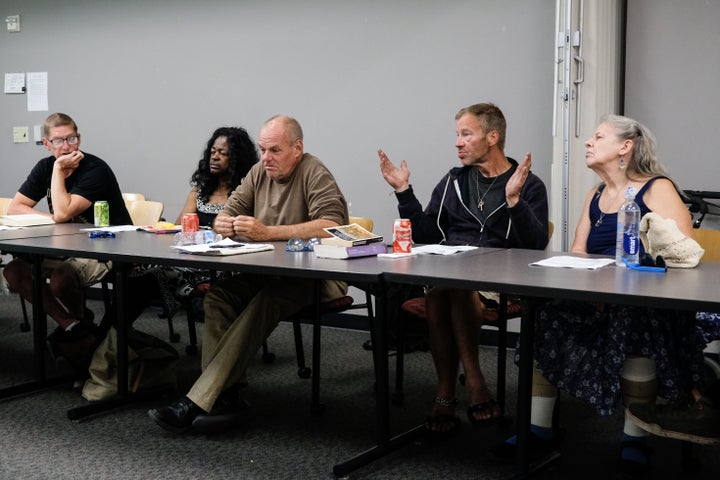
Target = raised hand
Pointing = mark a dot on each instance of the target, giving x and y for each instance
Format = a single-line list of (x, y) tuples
[(517, 180), (398, 178)]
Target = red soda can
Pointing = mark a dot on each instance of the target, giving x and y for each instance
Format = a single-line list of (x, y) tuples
[(190, 223), (402, 236)]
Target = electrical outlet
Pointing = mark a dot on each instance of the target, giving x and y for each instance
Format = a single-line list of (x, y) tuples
[(21, 135)]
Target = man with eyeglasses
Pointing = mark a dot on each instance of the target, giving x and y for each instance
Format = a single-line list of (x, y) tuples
[(72, 181)]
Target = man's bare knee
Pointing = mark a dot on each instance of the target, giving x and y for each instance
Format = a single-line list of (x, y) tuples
[(16, 272)]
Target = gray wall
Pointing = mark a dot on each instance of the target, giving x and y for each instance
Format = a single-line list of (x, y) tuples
[(148, 81), (672, 75)]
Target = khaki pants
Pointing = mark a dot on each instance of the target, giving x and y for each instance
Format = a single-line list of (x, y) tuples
[(240, 313), (88, 271)]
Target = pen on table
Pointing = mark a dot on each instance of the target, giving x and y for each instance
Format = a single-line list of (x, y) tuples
[(232, 245)]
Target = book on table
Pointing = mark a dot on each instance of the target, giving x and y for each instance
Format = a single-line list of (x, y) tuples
[(25, 220), (342, 252), (349, 236)]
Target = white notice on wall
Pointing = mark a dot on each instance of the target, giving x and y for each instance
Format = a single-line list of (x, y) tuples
[(14, 82), (37, 88)]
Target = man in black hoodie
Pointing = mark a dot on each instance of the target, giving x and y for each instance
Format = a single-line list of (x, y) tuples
[(489, 201)]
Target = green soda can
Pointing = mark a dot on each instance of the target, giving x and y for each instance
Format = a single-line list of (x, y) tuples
[(102, 213)]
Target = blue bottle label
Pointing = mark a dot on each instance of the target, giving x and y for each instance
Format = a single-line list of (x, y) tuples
[(631, 244)]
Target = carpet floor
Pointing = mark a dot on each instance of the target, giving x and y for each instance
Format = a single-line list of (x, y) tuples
[(284, 439)]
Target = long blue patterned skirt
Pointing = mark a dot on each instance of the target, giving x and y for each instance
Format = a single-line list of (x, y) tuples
[(580, 348)]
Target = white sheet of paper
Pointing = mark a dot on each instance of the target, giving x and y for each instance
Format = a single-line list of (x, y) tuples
[(430, 250), (26, 220), (226, 246), (114, 228), (37, 91), (566, 261), (442, 249), (14, 82)]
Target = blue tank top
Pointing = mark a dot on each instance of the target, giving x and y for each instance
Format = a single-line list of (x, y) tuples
[(603, 229)]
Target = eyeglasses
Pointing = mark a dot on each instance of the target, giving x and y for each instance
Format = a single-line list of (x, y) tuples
[(648, 264), (71, 140), (297, 245)]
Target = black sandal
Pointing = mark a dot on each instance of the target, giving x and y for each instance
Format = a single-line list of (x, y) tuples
[(491, 407)]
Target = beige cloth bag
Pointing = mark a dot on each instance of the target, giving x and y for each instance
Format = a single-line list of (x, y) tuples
[(151, 365), (661, 236)]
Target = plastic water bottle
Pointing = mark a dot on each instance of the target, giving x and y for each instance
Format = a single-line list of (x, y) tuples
[(627, 244), (184, 239)]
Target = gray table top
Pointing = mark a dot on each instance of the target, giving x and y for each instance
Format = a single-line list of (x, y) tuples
[(143, 247), (509, 271), (499, 270)]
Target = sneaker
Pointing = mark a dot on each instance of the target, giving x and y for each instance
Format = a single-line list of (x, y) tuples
[(692, 421)]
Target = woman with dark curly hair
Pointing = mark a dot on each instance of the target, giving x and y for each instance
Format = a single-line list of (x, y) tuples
[(228, 156)]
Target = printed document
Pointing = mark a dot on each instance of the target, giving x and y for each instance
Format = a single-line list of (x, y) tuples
[(566, 261)]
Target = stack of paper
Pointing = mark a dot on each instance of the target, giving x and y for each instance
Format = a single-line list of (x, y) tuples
[(431, 250), (25, 220), (226, 246), (565, 261)]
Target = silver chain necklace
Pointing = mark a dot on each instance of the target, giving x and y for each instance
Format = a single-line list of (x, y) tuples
[(481, 201), (613, 198)]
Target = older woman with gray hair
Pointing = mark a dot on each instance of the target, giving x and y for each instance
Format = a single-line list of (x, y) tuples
[(600, 352)]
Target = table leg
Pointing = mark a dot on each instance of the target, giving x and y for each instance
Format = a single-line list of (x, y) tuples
[(121, 324), (39, 319), (527, 334), (39, 338), (316, 406), (384, 444), (502, 352)]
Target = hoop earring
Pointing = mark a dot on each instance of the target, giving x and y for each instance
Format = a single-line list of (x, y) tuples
[(622, 163)]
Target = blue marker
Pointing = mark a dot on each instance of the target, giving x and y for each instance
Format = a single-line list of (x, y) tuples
[(643, 268)]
